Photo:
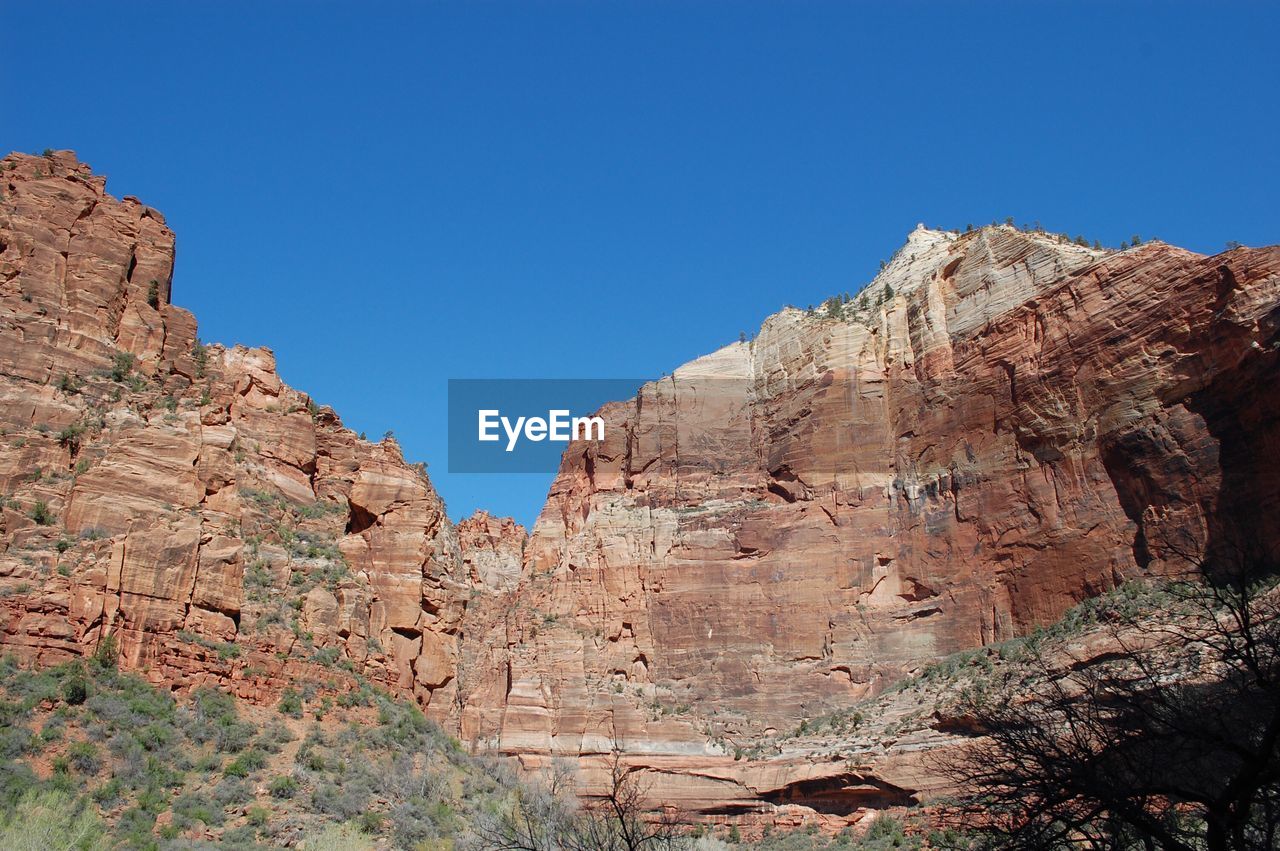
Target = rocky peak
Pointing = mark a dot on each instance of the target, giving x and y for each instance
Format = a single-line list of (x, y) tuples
[(492, 550), (84, 278), (918, 259), (964, 459), (937, 284), (1017, 425), (181, 497)]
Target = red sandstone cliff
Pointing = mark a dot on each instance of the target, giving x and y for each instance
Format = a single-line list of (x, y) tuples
[(492, 550), (180, 496), (1007, 424)]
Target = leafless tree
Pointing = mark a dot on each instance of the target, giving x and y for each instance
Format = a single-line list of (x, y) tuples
[(548, 818), (1171, 740)]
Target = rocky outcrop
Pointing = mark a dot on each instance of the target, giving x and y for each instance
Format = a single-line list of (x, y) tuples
[(179, 496), (492, 550), (1003, 424)]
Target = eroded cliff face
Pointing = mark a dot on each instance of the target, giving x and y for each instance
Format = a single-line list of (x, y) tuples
[(1003, 424), (1006, 424), (180, 497), (492, 551)]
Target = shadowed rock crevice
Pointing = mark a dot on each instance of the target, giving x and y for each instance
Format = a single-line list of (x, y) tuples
[(359, 520), (841, 794)]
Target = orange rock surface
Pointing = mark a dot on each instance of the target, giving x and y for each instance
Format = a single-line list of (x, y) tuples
[(1008, 424), (180, 497), (1004, 424)]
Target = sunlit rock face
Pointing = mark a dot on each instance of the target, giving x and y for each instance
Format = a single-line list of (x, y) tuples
[(180, 497), (1004, 424), (492, 550)]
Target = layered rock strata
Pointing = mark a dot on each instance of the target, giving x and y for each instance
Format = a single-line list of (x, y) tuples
[(1001, 424), (180, 497)]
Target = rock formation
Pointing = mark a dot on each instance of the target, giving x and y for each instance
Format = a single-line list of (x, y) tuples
[(1005, 424), (179, 496), (1002, 424), (492, 550)]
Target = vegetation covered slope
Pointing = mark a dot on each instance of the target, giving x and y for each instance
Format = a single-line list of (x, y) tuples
[(1147, 718), (95, 758)]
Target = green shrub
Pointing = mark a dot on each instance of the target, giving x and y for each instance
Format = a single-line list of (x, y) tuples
[(200, 355), (885, 827), (340, 837), (108, 793), (208, 763), (53, 729), (68, 384), (192, 807), (232, 791), (290, 703), (213, 705), (17, 741), (233, 736), (16, 780), (70, 436), (369, 822), (154, 736), (107, 654), (245, 764), (283, 786), (274, 734), (75, 689), (236, 768), (122, 366), (84, 757), (135, 829), (41, 514)]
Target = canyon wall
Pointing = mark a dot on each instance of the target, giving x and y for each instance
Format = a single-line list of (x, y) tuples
[(1002, 424), (224, 528), (1005, 424)]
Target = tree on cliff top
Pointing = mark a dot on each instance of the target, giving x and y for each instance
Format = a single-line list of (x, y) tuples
[(1170, 741)]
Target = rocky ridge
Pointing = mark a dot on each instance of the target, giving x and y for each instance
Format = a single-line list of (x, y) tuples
[(1003, 424), (1009, 423), (222, 526)]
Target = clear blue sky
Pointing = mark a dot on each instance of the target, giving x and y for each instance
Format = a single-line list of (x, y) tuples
[(391, 195)]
